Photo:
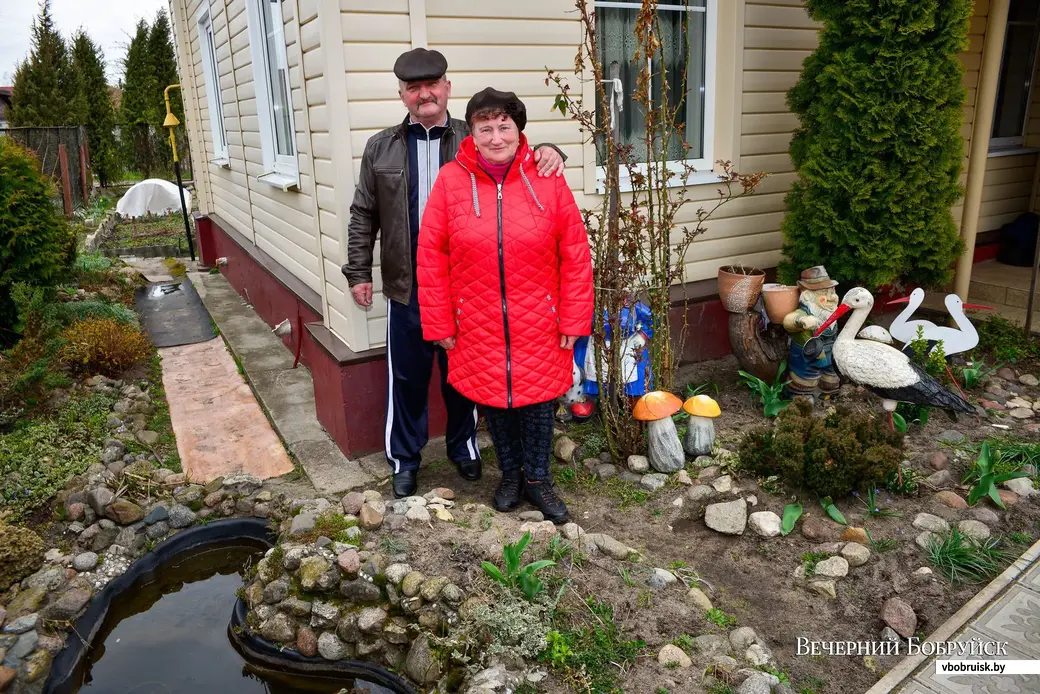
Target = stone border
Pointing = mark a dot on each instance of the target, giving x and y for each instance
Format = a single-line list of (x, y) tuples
[(104, 231), (997, 587), (162, 251)]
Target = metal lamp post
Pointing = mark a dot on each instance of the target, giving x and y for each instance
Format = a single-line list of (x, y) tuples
[(171, 122)]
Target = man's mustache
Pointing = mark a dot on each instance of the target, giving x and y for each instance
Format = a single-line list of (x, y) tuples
[(430, 100)]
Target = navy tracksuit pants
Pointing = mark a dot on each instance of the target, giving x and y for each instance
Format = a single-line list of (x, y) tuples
[(409, 361)]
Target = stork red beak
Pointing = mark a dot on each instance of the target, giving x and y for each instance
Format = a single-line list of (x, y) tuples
[(838, 313), (904, 300), (979, 307)]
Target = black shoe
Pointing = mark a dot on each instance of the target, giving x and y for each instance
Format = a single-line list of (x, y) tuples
[(469, 470), (510, 491), (405, 484), (543, 495)]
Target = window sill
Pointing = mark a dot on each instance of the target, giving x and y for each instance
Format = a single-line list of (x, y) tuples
[(695, 179), (222, 162), (1012, 151), (280, 180)]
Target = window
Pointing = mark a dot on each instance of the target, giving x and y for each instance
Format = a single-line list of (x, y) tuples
[(211, 78), (1016, 74), (273, 100), (688, 38)]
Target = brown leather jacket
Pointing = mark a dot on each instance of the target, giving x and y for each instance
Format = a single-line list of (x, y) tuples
[(381, 205)]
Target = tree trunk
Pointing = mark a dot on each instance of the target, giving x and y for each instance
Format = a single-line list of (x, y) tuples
[(759, 352)]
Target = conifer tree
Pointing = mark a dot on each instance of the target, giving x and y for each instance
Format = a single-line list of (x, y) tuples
[(88, 63), (44, 87), (879, 149), (163, 61), (137, 103)]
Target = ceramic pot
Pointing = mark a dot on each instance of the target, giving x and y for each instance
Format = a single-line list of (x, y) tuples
[(780, 300), (739, 288)]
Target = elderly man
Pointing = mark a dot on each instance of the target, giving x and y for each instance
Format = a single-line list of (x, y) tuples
[(398, 169)]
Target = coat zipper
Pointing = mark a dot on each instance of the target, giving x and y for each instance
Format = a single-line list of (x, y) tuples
[(505, 312)]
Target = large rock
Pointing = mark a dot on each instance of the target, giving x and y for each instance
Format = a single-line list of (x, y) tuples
[(974, 529), (638, 463), (85, 561), (369, 518), (352, 503), (951, 499), (701, 492), (564, 449), (673, 656), (26, 602), (653, 481), (834, 567), (699, 599), (359, 590), (664, 450), (278, 629), (21, 553), (729, 518), (933, 524), (181, 516), (421, 664), (765, 523), (242, 483), (307, 642), (815, 528), (330, 647), (324, 614), (68, 605), (1023, 486), (371, 620), (856, 554), (311, 571), (898, 614)]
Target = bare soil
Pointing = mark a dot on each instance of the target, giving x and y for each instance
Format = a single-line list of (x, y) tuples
[(748, 577)]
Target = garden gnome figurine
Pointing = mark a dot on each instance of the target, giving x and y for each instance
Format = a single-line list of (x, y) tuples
[(811, 363)]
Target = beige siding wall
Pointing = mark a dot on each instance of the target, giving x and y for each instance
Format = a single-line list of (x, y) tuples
[(282, 224), (507, 45)]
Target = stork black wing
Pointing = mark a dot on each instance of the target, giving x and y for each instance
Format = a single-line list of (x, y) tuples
[(927, 391)]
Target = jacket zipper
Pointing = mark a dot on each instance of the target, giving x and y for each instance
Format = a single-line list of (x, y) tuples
[(505, 311)]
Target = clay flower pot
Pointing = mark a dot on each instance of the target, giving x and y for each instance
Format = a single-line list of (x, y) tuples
[(780, 300), (739, 287)]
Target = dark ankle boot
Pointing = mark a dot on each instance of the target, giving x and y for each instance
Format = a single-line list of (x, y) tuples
[(543, 495), (510, 491), (405, 483)]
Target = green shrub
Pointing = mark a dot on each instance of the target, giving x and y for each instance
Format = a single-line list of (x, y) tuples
[(831, 455), (36, 244), (103, 345), (21, 553), (878, 151)]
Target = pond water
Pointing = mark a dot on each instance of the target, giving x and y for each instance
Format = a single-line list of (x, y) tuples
[(170, 635)]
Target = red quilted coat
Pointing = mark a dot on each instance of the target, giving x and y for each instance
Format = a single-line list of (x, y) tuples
[(505, 271)]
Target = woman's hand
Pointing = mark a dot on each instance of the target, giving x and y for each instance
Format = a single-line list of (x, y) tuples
[(567, 341), (447, 343)]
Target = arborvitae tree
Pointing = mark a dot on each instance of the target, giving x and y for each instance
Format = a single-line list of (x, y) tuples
[(879, 149), (88, 62), (163, 61), (44, 81), (136, 106)]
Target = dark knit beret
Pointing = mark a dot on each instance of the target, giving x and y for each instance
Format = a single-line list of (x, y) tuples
[(503, 101)]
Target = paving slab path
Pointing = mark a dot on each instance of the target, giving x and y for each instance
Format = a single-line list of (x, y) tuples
[(1007, 611)]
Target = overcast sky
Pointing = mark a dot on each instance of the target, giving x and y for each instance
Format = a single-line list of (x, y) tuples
[(110, 23)]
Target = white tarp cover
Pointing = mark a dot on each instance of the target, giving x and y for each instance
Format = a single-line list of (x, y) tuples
[(152, 196)]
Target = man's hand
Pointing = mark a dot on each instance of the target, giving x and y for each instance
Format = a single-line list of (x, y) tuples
[(567, 341), (548, 160), (447, 343), (362, 294)]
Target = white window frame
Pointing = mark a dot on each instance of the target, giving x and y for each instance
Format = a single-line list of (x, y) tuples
[(280, 170), (704, 166), (1001, 146), (211, 80)]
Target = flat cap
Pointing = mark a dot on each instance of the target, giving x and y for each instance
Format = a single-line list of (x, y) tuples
[(504, 101), (420, 64)]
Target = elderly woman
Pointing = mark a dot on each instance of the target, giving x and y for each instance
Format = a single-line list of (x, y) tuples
[(505, 286)]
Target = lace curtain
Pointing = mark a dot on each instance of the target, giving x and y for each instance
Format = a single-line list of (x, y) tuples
[(683, 51)]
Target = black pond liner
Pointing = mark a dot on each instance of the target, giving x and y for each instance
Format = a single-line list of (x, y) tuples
[(62, 678)]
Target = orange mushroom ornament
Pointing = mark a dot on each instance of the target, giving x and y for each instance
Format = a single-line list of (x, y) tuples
[(700, 433), (665, 451)]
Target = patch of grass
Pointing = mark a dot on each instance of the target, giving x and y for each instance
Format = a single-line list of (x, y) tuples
[(626, 576), (962, 559), (1003, 341), (720, 688), (567, 477), (1020, 538), (677, 565), (882, 544), (626, 493), (811, 559), (720, 618), (39, 456), (685, 642), (486, 519), (394, 545), (591, 656), (558, 549)]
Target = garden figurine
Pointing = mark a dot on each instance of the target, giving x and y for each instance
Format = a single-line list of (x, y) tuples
[(700, 433), (636, 326), (664, 448), (811, 362)]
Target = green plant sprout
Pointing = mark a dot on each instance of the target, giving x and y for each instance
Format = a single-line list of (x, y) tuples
[(515, 576), (987, 478), (769, 396)]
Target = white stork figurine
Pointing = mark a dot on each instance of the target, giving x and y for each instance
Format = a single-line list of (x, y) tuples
[(883, 369), (955, 340)]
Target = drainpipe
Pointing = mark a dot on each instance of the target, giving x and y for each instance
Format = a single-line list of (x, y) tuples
[(982, 128)]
